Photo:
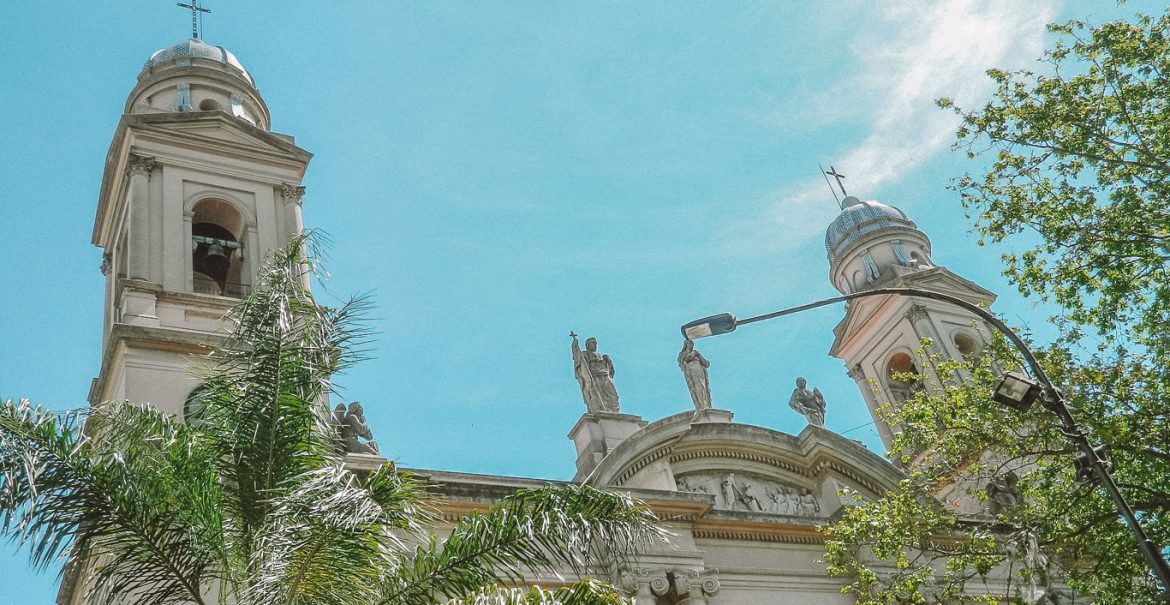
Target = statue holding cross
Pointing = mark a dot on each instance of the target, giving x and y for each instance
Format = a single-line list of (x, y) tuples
[(595, 376)]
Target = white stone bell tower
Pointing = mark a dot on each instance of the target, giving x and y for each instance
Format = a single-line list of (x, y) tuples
[(872, 245), (196, 191)]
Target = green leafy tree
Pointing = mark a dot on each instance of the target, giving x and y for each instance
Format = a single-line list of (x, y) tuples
[(1076, 163), (251, 502)]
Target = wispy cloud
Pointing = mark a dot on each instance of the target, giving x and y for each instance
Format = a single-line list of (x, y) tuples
[(915, 53)]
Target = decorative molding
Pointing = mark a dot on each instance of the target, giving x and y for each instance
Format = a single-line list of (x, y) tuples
[(107, 263), (642, 462), (856, 373), (848, 473), (745, 456), (756, 536)]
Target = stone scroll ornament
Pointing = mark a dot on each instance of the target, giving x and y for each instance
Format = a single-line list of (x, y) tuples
[(354, 435), (694, 368), (594, 373), (810, 403)]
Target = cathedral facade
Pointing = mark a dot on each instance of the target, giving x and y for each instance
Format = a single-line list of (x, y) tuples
[(197, 189)]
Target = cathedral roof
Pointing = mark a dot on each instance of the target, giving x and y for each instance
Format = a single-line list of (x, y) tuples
[(180, 55), (859, 218)]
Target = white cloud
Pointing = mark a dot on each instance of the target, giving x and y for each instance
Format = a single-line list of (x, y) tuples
[(915, 53)]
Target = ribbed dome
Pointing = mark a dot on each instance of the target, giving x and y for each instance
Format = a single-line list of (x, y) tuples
[(180, 55), (858, 218)]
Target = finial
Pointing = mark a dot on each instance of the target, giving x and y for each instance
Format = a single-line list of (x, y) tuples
[(196, 18), (833, 173)]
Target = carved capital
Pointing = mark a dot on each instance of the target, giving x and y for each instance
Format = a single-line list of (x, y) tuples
[(107, 263), (659, 583), (708, 581), (140, 164), (292, 193), (916, 313), (855, 372)]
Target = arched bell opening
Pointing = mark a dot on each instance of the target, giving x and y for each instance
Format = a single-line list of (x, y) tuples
[(217, 259), (903, 377)]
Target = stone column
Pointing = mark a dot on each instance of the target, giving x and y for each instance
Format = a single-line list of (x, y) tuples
[(291, 196), (858, 375), (188, 233), (138, 198)]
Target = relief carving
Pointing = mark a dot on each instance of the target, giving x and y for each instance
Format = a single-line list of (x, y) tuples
[(753, 494)]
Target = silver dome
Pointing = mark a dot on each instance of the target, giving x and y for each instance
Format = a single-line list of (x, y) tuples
[(859, 218), (181, 54)]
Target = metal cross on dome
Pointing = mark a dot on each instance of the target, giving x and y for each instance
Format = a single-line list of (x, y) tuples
[(833, 173), (195, 16)]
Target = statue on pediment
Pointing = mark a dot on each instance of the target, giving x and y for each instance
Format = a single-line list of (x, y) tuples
[(694, 368), (594, 373), (809, 402)]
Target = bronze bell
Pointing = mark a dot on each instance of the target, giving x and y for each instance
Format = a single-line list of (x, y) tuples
[(216, 261)]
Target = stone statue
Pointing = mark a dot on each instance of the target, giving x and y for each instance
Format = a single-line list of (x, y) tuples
[(808, 503), (694, 368), (736, 495), (355, 434), (1002, 492), (728, 486), (810, 403), (595, 376)]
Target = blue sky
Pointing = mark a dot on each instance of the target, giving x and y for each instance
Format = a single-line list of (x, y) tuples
[(496, 175)]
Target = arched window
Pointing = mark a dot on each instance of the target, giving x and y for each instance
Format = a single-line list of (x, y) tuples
[(210, 105), (216, 250), (193, 404), (917, 260)]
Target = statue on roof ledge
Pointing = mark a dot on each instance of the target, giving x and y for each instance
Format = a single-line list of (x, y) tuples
[(354, 435), (810, 403), (594, 373), (694, 368)]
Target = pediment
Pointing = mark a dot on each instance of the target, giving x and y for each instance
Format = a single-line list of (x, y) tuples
[(215, 131), (747, 469), (941, 280), (937, 279)]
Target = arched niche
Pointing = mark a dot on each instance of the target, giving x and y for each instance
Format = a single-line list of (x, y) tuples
[(967, 345)]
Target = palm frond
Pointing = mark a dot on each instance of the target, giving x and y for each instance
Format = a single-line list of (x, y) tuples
[(327, 541), (264, 405), (584, 592), (537, 531), (146, 509)]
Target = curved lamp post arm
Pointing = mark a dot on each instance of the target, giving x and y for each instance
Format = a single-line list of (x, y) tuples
[(1052, 399)]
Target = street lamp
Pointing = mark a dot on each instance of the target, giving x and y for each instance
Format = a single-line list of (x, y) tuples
[(1015, 390)]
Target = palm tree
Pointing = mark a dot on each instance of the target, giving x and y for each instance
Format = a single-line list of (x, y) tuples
[(250, 501)]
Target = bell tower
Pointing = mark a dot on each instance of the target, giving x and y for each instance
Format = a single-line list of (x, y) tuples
[(196, 191), (872, 245)]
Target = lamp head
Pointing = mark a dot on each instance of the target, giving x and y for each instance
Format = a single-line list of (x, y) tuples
[(709, 326), (1017, 391)]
